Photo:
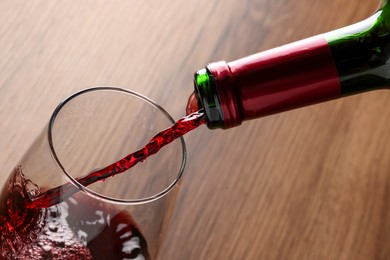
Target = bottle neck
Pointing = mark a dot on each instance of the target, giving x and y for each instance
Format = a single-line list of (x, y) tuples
[(336, 64)]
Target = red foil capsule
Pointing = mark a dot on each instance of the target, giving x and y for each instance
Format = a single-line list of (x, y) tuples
[(281, 79)]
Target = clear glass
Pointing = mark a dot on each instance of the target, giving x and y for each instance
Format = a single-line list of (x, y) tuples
[(123, 217)]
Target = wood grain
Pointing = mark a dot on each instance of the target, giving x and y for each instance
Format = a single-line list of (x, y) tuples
[(313, 183)]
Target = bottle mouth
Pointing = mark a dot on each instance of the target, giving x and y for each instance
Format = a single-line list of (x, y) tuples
[(206, 96)]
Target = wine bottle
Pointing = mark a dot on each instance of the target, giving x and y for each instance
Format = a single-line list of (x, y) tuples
[(343, 62)]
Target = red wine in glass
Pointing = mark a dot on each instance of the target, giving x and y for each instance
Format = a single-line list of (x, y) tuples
[(61, 224), (77, 228)]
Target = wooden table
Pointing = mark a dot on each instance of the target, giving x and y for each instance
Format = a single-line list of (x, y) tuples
[(313, 183)]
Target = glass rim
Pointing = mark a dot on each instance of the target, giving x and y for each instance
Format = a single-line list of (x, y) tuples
[(97, 195)]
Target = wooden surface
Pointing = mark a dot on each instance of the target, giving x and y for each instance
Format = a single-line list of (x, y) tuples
[(312, 183)]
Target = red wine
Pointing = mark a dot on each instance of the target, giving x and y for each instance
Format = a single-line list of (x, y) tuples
[(181, 127), (77, 228)]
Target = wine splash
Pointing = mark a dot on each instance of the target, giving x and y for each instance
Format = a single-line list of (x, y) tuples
[(78, 228), (181, 127)]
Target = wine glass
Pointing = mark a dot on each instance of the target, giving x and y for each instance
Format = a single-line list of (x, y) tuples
[(122, 217)]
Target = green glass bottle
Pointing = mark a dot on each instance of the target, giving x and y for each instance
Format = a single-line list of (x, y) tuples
[(347, 61)]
